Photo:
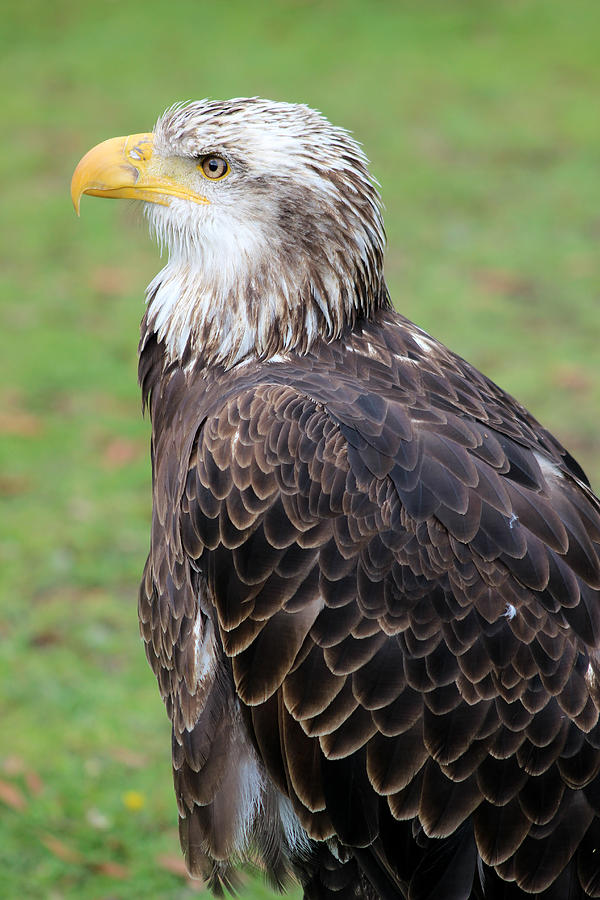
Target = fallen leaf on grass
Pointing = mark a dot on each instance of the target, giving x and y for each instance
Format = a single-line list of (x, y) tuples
[(174, 864), (570, 377), (34, 783), (46, 638), (18, 423), (504, 283), (13, 765), (12, 796), (121, 451), (69, 854), (111, 281), (13, 485), (129, 757), (112, 869), (61, 850)]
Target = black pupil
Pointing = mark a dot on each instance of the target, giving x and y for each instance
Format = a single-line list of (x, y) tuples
[(214, 166)]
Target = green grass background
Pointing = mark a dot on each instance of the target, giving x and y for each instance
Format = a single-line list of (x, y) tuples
[(482, 122)]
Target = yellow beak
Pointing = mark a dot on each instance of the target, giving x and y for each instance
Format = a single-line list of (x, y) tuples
[(127, 167)]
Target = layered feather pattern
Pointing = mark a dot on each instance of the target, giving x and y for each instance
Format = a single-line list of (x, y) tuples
[(372, 604)]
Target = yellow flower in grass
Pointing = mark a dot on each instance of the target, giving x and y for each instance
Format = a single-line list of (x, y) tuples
[(133, 800)]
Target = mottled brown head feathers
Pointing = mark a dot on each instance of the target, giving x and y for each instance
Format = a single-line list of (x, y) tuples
[(289, 246)]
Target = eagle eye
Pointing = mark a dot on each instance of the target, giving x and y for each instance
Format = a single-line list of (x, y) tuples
[(214, 167)]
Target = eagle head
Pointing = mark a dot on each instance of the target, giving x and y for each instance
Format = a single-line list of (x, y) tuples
[(271, 220)]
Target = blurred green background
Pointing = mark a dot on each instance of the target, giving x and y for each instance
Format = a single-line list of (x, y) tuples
[(482, 122)]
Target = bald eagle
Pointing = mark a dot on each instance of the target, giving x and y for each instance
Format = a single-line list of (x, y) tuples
[(372, 599)]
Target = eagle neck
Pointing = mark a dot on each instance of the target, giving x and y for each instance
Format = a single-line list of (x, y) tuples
[(206, 322)]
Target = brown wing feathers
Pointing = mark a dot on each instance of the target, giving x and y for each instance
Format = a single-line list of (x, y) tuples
[(405, 603)]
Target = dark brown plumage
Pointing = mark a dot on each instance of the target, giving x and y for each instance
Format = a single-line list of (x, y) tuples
[(372, 606)]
